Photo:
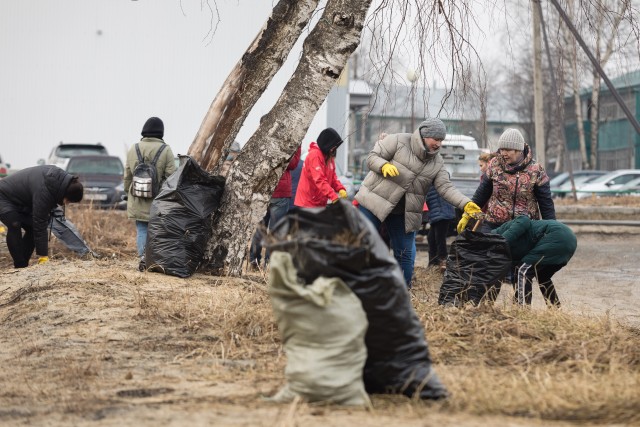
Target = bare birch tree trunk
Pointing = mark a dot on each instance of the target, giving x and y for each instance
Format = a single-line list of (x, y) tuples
[(602, 12), (575, 85), (266, 154), (248, 81)]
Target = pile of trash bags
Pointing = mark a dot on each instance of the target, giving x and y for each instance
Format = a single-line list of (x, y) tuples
[(180, 219), (476, 263), (338, 242)]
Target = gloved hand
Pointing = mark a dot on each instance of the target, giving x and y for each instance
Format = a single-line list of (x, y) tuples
[(342, 194), (463, 222), (389, 170), (43, 259), (473, 210)]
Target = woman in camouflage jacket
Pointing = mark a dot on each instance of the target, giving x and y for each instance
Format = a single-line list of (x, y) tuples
[(514, 184)]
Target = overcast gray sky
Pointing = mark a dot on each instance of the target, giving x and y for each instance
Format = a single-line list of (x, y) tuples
[(95, 70)]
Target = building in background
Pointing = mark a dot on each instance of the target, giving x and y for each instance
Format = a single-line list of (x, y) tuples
[(618, 142), (389, 111)]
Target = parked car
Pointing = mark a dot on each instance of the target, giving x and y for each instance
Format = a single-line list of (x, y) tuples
[(631, 188), (61, 154), (561, 184), (102, 177), (4, 168), (607, 185)]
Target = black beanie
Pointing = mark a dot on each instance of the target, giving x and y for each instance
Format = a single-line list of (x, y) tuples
[(328, 139), (153, 128), (74, 191)]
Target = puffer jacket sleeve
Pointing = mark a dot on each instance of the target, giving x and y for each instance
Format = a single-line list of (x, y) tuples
[(513, 230), (448, 191), (383, 152), (483, 192), (545, 202)]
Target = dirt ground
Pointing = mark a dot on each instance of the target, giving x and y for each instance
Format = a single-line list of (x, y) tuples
[(95, 342)]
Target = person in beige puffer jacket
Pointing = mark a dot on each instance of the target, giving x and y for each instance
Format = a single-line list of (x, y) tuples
[(403, 167)]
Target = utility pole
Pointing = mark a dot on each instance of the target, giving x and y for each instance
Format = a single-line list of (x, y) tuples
[(538, 97)]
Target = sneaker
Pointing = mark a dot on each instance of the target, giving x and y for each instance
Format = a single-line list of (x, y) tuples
[(253, 266), (443, 267), (142, 266)]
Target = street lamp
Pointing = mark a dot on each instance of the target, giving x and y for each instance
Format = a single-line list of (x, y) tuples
[(412, 76)]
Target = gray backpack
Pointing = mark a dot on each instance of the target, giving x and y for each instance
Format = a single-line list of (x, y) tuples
[(145, 183)]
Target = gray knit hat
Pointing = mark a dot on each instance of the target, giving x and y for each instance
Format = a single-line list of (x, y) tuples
[(432, 128), (511, 139)]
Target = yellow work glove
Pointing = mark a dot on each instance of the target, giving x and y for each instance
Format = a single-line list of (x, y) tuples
[(473, 210), (463, 223), (342, 194), (389, 170), (43, 259)]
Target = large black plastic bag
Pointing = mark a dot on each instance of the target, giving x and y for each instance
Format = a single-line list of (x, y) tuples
[(180, 219), (68, 233), (476, 262), (338, 241)]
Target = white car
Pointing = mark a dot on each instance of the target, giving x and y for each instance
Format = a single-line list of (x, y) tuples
[(61, 153), (631, 188), (578, 180), (609, 184)]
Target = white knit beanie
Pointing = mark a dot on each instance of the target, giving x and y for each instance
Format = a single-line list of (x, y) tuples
[(511, 139)]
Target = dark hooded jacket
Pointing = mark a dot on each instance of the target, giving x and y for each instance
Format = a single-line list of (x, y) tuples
[(544, 242), (35, 191)]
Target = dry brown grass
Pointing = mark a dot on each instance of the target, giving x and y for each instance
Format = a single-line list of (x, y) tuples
[(95, 338)]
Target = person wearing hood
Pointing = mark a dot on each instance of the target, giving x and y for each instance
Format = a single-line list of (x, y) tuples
[(514, 184), (27, 198), (402, 169), (139, 208), (319, 183), (539, 249)]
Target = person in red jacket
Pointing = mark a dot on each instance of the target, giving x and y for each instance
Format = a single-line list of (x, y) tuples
[(318, 180), (278, 208)]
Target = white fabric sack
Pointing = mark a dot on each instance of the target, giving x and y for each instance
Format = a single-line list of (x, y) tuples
[(322, 327)]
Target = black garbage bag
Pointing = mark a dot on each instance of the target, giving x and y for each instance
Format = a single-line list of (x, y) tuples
[(68, 233), (475, 265), (180, 219), (338, 241)]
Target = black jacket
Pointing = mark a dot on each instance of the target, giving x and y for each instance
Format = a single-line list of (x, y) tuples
[(35, 191)]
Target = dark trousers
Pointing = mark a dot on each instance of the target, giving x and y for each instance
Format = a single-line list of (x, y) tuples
[(524, 275), (278, 208), (437, 240), (20, 246)]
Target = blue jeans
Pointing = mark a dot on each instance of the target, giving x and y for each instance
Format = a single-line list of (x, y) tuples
[(278, 208), (403, 244), (141, 239)]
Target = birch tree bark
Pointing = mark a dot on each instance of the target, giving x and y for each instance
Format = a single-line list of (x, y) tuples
[(248, 81), (613, 13), (264, 157), (575, 86)]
